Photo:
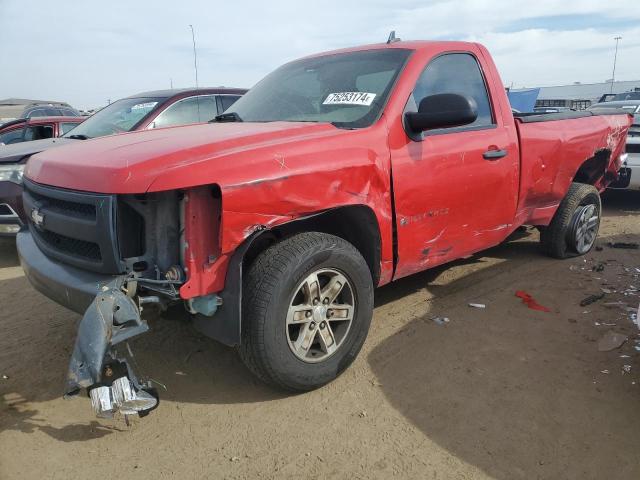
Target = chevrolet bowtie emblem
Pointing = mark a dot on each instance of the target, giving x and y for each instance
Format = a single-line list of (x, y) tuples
[(37, 217)]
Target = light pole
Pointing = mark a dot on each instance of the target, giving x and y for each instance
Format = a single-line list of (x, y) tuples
[(195, 58), (615, 59)]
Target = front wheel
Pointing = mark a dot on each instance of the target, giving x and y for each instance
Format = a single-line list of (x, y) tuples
[(307, 307), (574, 227)]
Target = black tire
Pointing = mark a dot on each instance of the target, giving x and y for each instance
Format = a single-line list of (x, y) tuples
[(272, 281), (557, 239)]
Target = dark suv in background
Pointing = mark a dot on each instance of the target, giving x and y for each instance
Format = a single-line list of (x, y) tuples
[(49, 111), (13, 108), (158, 109)]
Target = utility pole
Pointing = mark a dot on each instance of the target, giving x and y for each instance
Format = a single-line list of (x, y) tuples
[(171, 81), (195, 58), (615, 59)]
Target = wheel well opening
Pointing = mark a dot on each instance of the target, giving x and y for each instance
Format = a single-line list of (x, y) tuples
[(356, 224), (593, 168)]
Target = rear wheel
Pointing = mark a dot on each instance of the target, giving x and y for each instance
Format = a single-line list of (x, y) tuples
[(574, 227), (307, 307)]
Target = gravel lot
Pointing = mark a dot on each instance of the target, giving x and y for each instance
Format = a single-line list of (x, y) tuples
[(503, 392)]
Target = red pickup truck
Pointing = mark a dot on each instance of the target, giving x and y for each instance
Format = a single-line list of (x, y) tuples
[(335, 174)]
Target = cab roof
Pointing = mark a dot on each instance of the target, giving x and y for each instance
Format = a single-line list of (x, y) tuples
[(189, 91), (403, 45)]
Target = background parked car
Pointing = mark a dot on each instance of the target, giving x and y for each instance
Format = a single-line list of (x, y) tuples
[(13, 108), (630, 170), (165, 108), (36, 128), (551, 109)]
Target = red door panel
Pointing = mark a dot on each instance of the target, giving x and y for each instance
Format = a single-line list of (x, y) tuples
[(455, 190), (450, 201)]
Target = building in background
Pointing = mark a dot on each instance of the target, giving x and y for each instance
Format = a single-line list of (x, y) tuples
[(523, 100), (579, 95)]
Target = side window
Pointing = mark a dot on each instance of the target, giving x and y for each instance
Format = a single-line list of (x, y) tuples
[(68, 112), (190, 110), (39, 112), (228, 100), (38, 132), (12, 136), (456, 73), (65, 127)]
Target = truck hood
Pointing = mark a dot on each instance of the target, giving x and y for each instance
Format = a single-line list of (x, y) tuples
[(166, 158), (19, 152)]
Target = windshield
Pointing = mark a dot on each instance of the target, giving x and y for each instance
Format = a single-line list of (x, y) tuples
[(348, 89), (118, 117)]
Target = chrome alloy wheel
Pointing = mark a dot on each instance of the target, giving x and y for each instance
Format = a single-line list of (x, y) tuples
[(320, 315), (584, 228)]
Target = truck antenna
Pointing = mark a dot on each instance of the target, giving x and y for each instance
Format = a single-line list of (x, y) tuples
[(392, 37)]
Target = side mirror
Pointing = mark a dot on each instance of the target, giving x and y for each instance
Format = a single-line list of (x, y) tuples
[(441, 111)]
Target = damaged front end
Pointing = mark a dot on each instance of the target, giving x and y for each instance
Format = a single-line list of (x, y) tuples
[(112, 318), (109, 257)]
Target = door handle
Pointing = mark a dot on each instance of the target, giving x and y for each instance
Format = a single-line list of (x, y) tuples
[(494, 154)]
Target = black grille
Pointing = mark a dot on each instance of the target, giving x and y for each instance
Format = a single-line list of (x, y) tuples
[(77, 228), (80, 210), (633, 148), (71, 246)]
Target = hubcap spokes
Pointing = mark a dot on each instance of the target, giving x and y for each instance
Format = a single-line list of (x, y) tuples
[(586, 228), (320, 315)]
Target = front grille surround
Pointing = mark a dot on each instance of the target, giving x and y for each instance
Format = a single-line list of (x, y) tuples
[(77, 228)]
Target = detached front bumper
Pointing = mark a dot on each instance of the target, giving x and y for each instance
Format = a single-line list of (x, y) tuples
[(109, 318), (64, 284)]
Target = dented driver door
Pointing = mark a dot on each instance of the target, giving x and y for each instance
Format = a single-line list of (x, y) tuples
[(455, 189)]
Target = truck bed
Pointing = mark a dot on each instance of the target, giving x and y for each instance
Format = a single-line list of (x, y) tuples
[(567, 115), (553, 147)]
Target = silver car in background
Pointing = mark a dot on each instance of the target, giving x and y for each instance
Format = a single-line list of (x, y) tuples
[(630, 170)]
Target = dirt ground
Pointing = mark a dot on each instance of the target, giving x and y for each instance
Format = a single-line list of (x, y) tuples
[(503, 392)]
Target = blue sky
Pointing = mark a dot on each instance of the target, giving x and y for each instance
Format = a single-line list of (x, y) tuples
[(88, 51)]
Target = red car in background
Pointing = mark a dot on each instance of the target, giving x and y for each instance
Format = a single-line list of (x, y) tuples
[(36, 128), (144, 111)]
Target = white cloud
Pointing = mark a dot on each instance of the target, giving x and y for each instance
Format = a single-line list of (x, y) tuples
[(87, 51)]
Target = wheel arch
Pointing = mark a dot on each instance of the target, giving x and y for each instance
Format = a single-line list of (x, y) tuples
[(357, 224), (593, 168)]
